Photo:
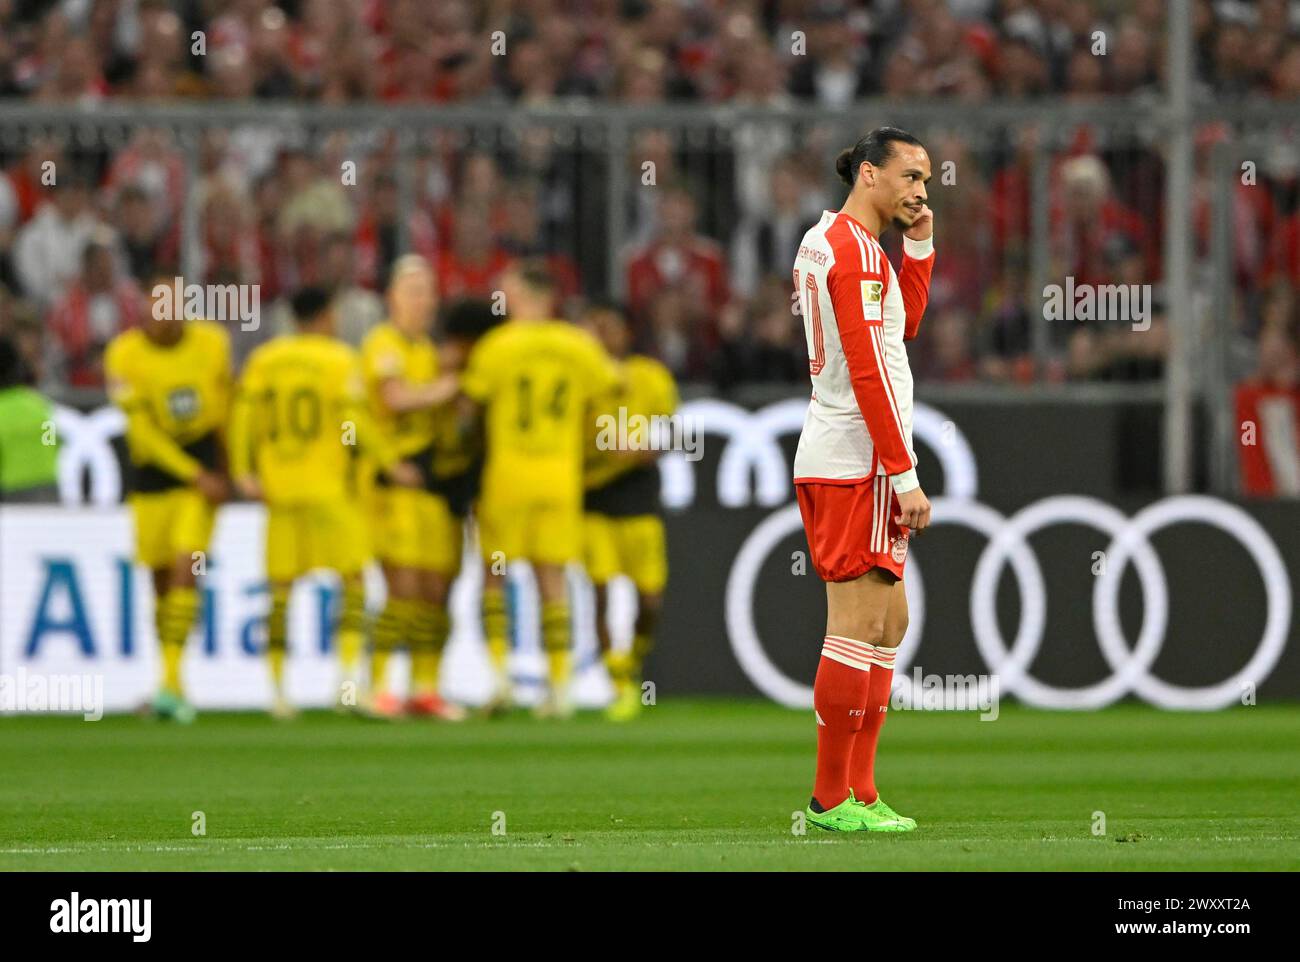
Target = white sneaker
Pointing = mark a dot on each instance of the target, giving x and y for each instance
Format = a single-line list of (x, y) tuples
[(282, 710)]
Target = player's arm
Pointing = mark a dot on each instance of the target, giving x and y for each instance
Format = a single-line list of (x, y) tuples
[(370, 439), (860, 321), (383, 367), (914, 277), (664, 404), (242, 435), (146, 440), (399, 395), (224, 389)]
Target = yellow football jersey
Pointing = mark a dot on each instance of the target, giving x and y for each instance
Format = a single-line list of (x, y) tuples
[(176, 399), (300, 417), (647, 391), (388, 353), (537, 379)]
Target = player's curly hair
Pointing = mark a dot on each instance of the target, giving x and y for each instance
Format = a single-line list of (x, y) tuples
[(876, 147)]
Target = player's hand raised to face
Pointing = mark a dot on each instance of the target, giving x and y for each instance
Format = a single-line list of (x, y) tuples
[(923, 226), (914, 510)]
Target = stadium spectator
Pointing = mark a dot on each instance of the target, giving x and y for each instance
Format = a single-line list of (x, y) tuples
[(229, 240), (835, 71), (96, 307), (48, 248), (152, 165), (761, 342), (524, 237), (356, 309), (1268, 419), (1088, 221), (140, 235), (1005, 324), (378, 234), (765, 245), (470, 265), (691, 264)]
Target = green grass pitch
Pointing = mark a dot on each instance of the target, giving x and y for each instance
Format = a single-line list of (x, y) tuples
[(699, 784)]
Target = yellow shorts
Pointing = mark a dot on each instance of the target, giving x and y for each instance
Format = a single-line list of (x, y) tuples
[(541, 532), (303, 537), (169, 524), (416, 529), (634, 546)]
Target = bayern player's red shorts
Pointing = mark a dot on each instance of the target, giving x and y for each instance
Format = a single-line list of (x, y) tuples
[(851, 527)]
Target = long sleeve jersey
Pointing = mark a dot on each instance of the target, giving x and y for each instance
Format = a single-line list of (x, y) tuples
[(857, 312)]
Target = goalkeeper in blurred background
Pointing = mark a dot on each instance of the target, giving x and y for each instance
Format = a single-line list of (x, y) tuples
[(299, 417), (171, 378), (416, 534), (622, 530)]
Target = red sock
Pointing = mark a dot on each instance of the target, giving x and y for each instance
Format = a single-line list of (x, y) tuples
[(862, 764), (839, 694)]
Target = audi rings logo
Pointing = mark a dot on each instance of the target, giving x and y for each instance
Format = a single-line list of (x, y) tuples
[(758, 452)]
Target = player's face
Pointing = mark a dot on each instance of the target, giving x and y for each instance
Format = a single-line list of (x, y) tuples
[(412, 300), (163, 318), (900, 185), (522, 301), (329, 322), (608, 328)]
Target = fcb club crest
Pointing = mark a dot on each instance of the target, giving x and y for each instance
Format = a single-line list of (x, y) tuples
[(898, 550)]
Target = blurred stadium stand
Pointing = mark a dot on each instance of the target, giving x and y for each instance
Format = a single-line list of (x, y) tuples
[(671, 154)]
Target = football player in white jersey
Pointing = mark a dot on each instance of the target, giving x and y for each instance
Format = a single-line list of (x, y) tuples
[(855, 469)]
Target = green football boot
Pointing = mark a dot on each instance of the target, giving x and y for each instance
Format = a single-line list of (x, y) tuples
[(844, 817), (169, 705), (879, 817)]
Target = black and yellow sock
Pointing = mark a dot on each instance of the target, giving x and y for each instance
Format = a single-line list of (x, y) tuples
[(175, 618), (351, 627), (643, 639), (424, 665), (391, 629), (441, 619), (277, 636), (555, 640), (619, 666), (496, 627)]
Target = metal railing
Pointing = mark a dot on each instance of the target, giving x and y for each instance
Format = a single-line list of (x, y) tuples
[(711, 141)]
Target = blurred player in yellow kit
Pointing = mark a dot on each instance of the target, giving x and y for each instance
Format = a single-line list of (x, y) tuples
[(622, 530), (416, 535), (299, 418), (536, 378), (171, 378)]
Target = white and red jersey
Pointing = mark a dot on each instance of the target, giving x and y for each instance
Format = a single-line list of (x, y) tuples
[(857, 312)]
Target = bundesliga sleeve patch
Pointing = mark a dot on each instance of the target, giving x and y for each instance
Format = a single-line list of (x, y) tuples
[(873, 296)]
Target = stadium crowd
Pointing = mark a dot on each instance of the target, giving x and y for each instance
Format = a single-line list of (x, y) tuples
[(706, 257)]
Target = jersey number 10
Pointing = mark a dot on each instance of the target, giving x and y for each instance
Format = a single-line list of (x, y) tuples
[(812, 322)]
